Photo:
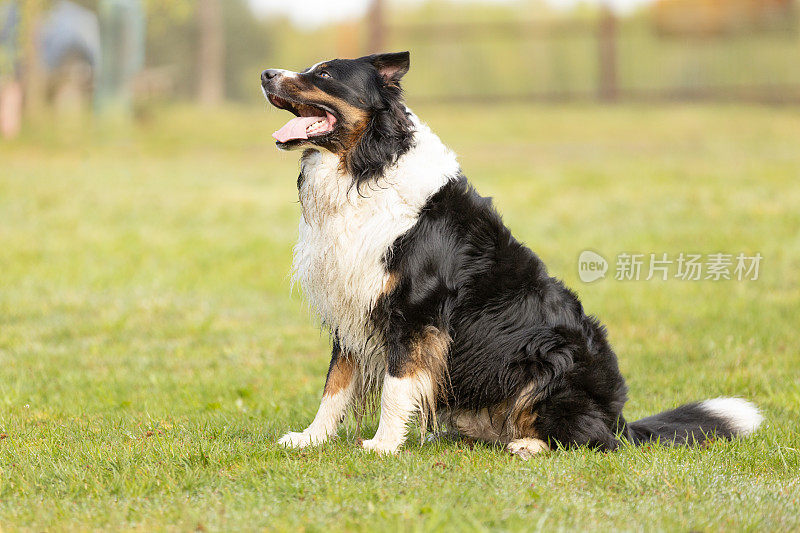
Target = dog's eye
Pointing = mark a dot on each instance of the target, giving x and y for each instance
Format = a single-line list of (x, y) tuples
[(323, 74)]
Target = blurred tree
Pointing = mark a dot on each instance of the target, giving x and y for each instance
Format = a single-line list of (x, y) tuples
[(211, 52), (248, 50), (377, 28), (173, 41)]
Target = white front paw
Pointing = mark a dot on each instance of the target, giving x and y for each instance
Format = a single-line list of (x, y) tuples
[(380, 446), (299, 440)]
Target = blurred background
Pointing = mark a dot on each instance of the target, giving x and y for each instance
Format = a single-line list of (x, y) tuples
[(129, 56), (147, 224)]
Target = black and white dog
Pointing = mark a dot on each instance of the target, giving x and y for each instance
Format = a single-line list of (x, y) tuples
[(429, 298)]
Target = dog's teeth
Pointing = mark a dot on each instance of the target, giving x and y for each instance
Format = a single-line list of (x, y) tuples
[(316, 126), (321, 125)]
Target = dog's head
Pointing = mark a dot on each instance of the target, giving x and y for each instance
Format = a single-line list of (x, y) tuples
[(351, 107)]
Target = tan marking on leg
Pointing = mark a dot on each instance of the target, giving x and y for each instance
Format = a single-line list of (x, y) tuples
[(341, 374), (521, 414), (391, 283), (415, 391), (509, 420), (478, 425), (429, 357), (527, 448), (429, 351)]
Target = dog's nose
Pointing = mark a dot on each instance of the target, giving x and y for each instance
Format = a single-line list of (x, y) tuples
[(269, 74)]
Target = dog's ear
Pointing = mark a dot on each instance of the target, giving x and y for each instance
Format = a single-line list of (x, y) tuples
[(392, 66)]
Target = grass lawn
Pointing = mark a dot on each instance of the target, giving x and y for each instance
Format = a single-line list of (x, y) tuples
[(151, 352)]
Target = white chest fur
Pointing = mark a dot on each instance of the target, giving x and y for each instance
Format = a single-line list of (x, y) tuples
[(344, 236)]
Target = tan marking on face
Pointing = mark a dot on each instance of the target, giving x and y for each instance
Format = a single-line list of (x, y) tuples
[(352, 137), (341, 374), (352, 120), (354, 134), (306, 92)]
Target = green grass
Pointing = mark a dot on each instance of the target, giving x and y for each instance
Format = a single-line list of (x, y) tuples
[(151, 352)]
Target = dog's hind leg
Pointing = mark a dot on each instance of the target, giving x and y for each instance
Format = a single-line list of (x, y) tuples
[(340, 387)]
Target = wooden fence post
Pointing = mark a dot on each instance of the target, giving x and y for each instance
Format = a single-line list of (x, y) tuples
[(211, 53), (607, 55), (377, 28)]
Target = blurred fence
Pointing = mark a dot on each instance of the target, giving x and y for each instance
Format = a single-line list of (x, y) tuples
[(210, 50), (717, 50)]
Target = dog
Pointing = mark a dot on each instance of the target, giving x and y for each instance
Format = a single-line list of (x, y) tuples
[(432, 305)]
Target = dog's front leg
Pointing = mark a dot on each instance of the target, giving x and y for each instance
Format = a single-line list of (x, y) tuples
[(400, 399), (340, 387), (410, 386)]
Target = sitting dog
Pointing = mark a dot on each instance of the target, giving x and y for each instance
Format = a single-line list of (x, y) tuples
[(428, 297)]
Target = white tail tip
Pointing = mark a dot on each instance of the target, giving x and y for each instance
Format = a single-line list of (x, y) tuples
[(743, 416)]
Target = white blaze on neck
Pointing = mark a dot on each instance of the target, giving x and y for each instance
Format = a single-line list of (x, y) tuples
[(344, 236)]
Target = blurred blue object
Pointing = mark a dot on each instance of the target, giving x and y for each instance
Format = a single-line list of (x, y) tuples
[(9, 19), (70, 30), (9, 26)]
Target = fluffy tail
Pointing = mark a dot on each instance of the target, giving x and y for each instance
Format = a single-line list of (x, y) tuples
[(697, 422)]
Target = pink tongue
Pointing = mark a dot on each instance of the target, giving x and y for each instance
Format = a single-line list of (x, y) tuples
[(295, 129)]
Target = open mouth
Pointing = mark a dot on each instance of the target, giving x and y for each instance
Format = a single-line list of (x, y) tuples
[(310, 122)]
